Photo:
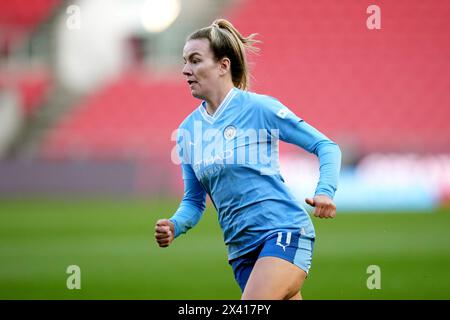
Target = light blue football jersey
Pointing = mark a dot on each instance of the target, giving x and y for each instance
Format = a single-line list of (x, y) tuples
[(233, 157)]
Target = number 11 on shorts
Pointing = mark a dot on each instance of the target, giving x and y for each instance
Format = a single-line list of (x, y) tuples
[(280, 237)]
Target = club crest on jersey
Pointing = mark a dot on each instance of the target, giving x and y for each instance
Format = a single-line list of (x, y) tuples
[(229, 132)]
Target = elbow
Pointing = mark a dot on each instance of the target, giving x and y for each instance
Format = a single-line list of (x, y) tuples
[(334, 149), (338, 150), (198, 205), (201, 205), (327, 146)]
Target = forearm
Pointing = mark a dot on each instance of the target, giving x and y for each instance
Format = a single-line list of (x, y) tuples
[(186, 217), (329, 155)]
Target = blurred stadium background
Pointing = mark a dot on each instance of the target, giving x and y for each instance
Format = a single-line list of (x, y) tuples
[(91, 92)]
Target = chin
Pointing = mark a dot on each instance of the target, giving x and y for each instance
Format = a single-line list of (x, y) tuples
[(197, 95)]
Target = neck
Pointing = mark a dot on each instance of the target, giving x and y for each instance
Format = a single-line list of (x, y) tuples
[(214, 100)]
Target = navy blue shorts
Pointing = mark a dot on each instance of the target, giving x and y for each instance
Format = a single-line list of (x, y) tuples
[(287, 245)]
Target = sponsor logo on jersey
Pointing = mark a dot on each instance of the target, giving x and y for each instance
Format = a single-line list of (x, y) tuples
[(283, 113)]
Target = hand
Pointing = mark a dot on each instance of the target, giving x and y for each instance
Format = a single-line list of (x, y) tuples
[(324, 206), (164, 232)]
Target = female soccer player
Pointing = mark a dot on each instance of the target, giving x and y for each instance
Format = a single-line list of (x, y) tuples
[(228, 148)]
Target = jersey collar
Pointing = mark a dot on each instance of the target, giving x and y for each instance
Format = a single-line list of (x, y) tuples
[(220, 109)]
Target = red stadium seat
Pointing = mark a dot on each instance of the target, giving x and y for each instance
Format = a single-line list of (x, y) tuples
[(18, 17), (388, 89), (133, 117), (32, 87)]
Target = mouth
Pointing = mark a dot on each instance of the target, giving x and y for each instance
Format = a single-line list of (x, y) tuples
[(191, 82)]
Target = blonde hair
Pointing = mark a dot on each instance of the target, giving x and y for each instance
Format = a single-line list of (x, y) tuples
[(226, 41)]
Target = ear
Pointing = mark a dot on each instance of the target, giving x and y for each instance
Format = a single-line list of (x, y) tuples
[(224, 65)]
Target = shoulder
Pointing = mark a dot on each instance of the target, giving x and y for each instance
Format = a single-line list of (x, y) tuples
[(264, 103), (261, 100), (186, 127), (271, 109)]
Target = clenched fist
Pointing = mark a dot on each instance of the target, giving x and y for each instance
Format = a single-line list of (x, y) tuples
[(164, 232), (323, 206)]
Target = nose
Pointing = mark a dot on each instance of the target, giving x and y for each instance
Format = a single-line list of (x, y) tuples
[(187, 71)]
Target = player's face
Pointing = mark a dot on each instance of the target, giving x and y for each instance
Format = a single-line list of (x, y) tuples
[(200, 68)]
